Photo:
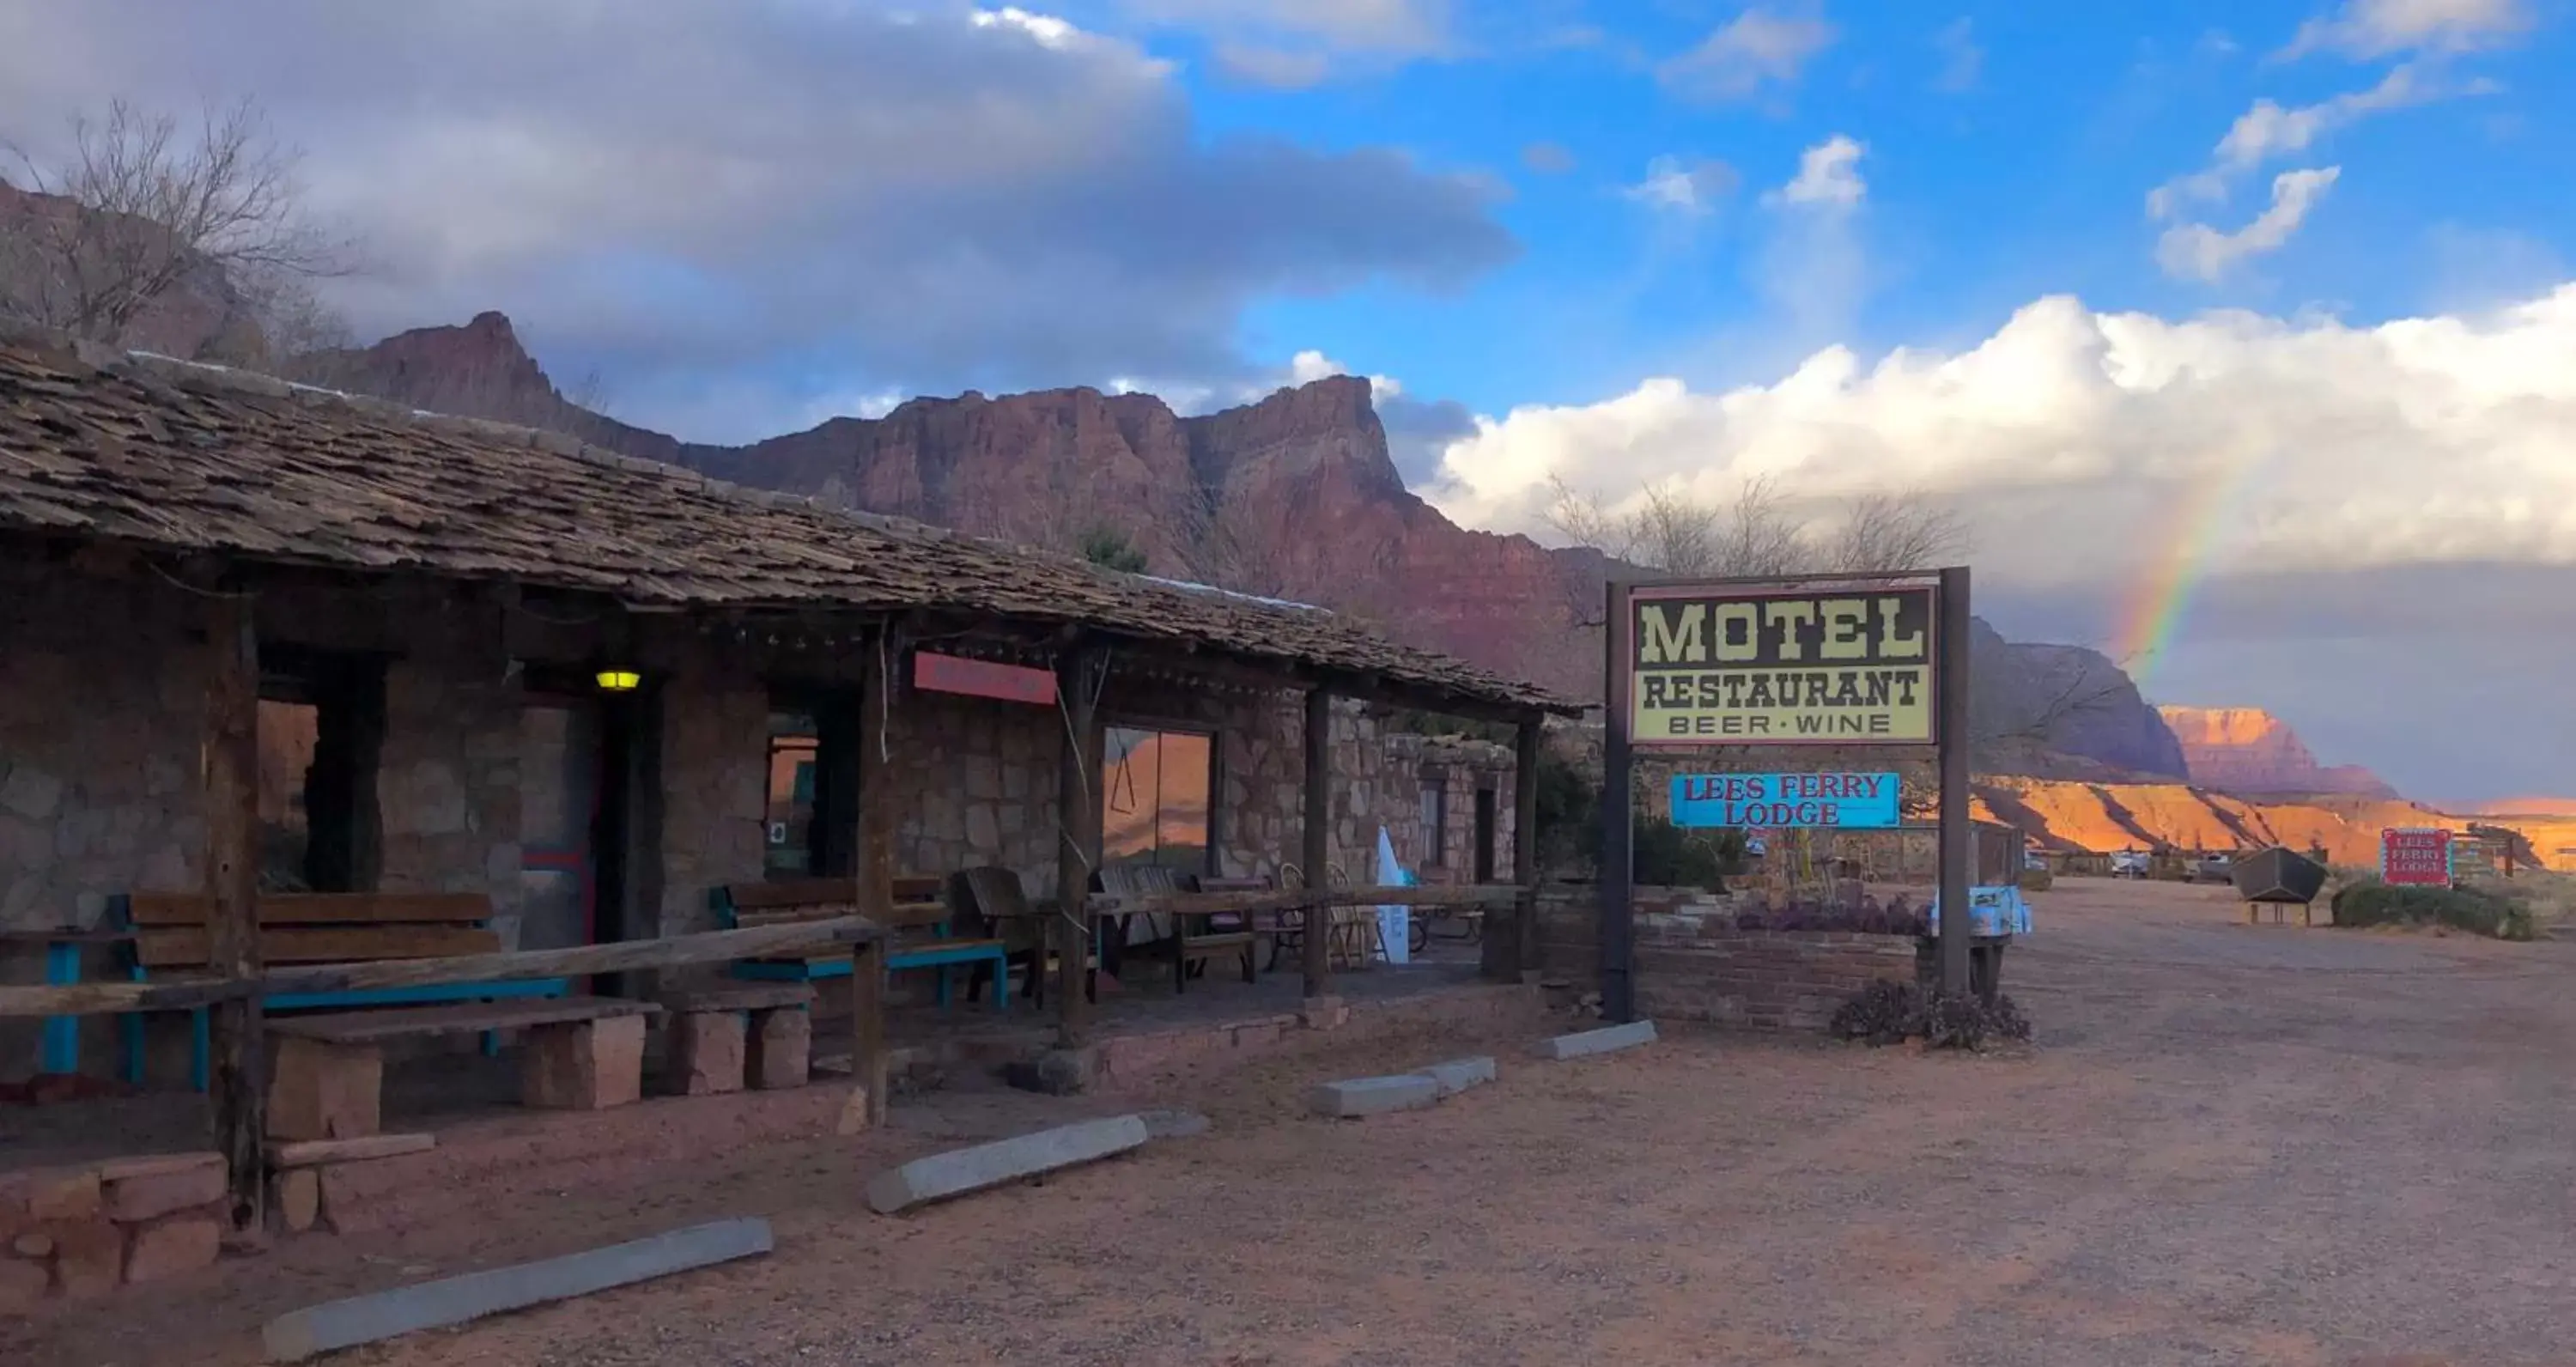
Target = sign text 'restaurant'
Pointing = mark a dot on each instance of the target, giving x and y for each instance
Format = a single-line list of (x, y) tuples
[(1851, 666)]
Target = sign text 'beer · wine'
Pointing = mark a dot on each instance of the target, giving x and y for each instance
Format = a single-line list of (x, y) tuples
[(1852, 665)]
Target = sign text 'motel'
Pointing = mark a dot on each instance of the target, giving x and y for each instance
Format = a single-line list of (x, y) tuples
[(1849, 801), (1845, 666)]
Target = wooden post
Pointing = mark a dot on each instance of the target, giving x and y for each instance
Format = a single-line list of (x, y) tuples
[(1525, 955), (1618, 798), (1078, 797), (1317, 854), (237, 1077), (1958, 837), (875, 871)]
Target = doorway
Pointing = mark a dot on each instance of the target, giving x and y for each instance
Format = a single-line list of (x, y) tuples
[(560, 767)]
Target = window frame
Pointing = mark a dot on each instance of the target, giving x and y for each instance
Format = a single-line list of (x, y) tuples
[(1210, 863)]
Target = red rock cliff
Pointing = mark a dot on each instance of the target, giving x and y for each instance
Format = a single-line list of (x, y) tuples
[(2248, 750)]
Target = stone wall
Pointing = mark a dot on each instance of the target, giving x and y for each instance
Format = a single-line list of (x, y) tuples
[(448, 774), (976, 783), (99, 744), (1462, 767), (715, 785), (1693, 964)]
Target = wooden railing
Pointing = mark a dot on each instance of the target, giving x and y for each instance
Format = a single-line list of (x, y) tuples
[(621, 956), (1298, 899)]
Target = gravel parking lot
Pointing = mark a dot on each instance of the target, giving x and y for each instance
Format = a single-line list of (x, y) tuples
[(2230, 1144)]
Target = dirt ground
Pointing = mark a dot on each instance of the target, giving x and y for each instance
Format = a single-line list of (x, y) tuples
[(2230, 1144)]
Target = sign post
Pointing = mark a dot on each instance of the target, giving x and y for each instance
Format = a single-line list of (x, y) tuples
[(1819, 660)]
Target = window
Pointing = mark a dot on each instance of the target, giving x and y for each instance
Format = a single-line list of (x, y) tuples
[(1154, 801), (1435, 820), (795, 768)]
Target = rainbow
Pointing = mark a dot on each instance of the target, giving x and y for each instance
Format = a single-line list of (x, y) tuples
[(2154, 609)]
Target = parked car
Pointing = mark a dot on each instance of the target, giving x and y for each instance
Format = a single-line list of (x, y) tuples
[(2129, 864), (2214, 868)]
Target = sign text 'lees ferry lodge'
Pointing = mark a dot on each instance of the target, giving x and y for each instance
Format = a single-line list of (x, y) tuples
[(1850, 665)]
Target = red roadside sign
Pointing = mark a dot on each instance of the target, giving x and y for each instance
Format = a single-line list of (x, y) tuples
[(2418, 857)]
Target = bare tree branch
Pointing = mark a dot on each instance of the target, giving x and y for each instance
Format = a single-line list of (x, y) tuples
[(136, 211)]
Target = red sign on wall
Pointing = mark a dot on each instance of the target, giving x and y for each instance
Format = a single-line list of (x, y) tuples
[(982, 679), (2415, 857)]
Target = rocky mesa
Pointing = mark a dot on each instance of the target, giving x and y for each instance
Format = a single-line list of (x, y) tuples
[(2247, 750)]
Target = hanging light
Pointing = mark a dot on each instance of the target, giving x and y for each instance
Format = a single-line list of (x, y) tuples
[(619, 680)]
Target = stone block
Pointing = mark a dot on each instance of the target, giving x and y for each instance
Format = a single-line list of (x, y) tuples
[(1459, 1074), (584, 1065), (35, 1243), (854, 1113), (22, 1286), (960, 1171), (147, 1189), (1353, 1098), (173, 1247), (782, 1049), (89, 1256), (325, 1091), (1323, 1013), (299, 1198), (1602, 1041), (707, 1052), (64, 1195)]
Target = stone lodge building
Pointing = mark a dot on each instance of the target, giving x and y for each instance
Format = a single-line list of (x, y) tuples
[(592, 688)]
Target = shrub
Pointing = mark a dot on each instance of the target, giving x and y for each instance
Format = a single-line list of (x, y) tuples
[(2373, 903), (1892, 1012)]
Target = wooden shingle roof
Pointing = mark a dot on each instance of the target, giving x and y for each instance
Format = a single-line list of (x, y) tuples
[(146, 451)]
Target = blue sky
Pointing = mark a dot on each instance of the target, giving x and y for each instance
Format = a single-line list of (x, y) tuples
[(2069, 271)]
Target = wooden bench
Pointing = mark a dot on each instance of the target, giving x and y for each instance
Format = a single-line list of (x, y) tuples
[(760, 1032), (170, 940), (921, 919), (1247, 929), (996, 898), (584, 1053)]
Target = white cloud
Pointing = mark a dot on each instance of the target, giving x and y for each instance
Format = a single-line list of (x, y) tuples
[(2377, 28), (1689, 186), (1828, 176), (1295, 44), (2070, 437), (1759, 48), (1963, 63), (2196, 251), (2270, 131), (698, 197), (1306, 367)]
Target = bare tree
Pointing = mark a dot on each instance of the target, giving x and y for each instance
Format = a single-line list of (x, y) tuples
[(1877, 532), (139, 209), (1761, 533)]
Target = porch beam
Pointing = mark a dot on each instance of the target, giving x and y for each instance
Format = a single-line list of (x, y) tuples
[(1317, 854), (1081, 673), (875, 871), (231, 774), (1511, 943)]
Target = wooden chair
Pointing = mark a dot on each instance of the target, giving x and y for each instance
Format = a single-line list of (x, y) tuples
[(1256, 925), (994, 898), (171, 941), (922, 923)]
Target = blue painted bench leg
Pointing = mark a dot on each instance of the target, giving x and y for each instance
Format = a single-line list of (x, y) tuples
[(200, 1049), (129, 1028), (1001, 982), (62, 1033), (491, 1044), (943, 987)]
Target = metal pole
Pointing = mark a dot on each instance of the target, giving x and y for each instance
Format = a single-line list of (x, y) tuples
[(1958, 836), (1618, 873)]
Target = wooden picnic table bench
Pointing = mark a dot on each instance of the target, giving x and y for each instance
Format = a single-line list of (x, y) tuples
[(1147, 886), (920, 922), (169, 940), (583, 1053)]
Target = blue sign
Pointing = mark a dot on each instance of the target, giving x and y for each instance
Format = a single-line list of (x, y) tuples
[(1774, 801)]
